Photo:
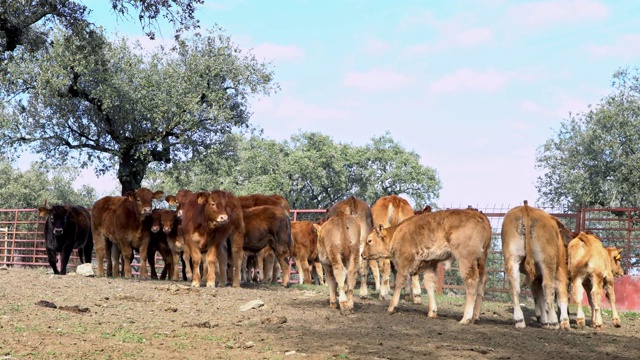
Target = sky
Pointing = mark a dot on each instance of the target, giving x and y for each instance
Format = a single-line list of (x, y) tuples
[(473, 87)]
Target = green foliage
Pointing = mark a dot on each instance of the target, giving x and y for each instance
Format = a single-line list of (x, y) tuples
[(594, 159), (310, 170), (29, 189), (89, 102), (27, 23)]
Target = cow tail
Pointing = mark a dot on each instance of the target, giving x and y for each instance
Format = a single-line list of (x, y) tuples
[(529, 261)]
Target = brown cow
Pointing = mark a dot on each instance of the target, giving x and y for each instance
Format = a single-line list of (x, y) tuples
[(305, 249), (339, 250), (388, 211), (269, 225), (253, 200), (593, 267), (209, 219), (159, 226), (362, 212), (420, 242), (118, 220), (533, 243), (263, 264), (426, 209)]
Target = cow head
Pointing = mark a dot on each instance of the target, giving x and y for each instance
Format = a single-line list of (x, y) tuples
[(143, 199), (215, 207), (179, 200), (615, 260), (57, 216), (156, 222), (377, 245), (167, 219)]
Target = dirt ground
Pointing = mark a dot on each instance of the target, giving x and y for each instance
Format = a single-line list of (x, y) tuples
[(44, 316)]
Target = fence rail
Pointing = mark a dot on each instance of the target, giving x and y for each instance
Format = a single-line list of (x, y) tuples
[(22, 240)]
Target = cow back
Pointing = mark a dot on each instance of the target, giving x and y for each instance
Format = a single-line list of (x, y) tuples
[(357, 208), (305, 239), (390, 210), (339, 237), (253, 200), (264, 224)]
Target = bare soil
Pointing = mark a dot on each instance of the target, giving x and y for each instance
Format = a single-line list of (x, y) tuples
[(45, 316)]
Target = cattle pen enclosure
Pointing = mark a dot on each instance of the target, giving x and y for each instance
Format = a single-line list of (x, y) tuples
[(22, 244)]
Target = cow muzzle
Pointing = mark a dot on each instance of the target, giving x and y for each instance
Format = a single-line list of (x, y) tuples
[(57, 231), (155, 229), (146, 211), (222, 219)]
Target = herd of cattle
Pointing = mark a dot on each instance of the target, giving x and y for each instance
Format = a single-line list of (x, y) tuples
[(219, 236)]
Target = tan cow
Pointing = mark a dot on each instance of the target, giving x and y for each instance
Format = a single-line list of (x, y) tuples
[(420, 242), (532, 243), (388, 211), (339, 249), (362, 212), (592, 267), (305, 249)]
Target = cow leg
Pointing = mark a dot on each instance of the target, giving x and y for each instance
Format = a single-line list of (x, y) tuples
[(284, 265), (480, 290), (471, 276), (53, 260), (586, 284), (352, 279), (212, 262), (596, 295), (244, 276), (268, 262), (319, 272), (401, 277), (276, 271), (331, 281), (562, 297), (100, 245), (385, 270), (416, 291), (577, 293), (115, 260), (375, 271), (364, 274), (611, 296), (305, 274), (223, 265), (236, 254), (512, 270), (174, 270), (260, 268), (538, 300), (151, 253), (127, 255), (143, 252), (340, 275), (64, 257), (549, 290), (430, 276)]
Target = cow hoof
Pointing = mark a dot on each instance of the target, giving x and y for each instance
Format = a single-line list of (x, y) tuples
[(432, 315), (195, 284), (616, 323), (211, 284), (564, 324), (385, 297), (581, 323), (392, 311), (598, 326), (465, 321), (333, 305), (417, 300), (520, 324)]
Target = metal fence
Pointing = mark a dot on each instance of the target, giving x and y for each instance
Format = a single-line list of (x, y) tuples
[(22, 240)]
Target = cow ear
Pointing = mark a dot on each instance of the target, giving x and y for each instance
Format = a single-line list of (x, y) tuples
[(318, 228), (130, 195), (380, 228), (158, 194), (202, 197), (43, 211), (171, 200)]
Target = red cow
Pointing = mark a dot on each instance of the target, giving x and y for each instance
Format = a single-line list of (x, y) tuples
[(118, 220)]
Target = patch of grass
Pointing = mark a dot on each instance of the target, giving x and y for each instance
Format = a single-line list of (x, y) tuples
[(20, 329), (217, 338), (124, 335), (179, 345), (305, 287), (15, 308)]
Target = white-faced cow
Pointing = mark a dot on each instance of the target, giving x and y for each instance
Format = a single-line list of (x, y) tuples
[(66, 228)]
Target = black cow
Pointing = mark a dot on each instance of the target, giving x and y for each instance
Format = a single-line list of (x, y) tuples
[(66, 228)]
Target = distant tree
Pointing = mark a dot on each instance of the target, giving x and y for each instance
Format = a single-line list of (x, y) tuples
[(594, 159), (30, 189), (310, 170), (28, 23), (90, 102)]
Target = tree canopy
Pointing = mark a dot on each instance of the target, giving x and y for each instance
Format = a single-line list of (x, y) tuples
[(30, 188), (28, 23), (309, 169), (91, 102), (594, 159)]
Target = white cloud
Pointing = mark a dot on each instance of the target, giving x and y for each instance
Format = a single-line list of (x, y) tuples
[(276, 52), (375, 80), (290, 108), (625, 47), (549, 13), (375, 47), (466, 79), (474, 36)]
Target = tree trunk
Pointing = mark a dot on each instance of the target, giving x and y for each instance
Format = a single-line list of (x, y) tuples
[(131, 172)]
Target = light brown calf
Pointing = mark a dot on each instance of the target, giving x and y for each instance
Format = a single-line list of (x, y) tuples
[(388, 211), (593, 267), (420, 242), (339, 249), (533, 243)]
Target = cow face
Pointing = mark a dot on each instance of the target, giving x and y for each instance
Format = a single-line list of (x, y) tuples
[(143, 198), (156, 221), (215, 207), (57, 217), (377, 245), (615, 260), (179, 200), (167, 220)]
